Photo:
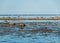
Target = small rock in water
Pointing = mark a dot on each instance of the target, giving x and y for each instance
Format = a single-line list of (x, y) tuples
[(21, 25), (11, 23)]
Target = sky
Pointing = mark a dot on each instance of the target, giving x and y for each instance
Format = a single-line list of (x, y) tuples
[(29, 6)]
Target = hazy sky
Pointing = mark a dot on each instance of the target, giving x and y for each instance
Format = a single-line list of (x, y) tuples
[(29, 6)]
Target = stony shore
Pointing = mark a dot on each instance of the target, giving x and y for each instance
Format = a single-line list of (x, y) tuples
[(35, 18)]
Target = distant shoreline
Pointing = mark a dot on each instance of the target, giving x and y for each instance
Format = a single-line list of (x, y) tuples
[(34, 18), (29, 19), (29, 14)]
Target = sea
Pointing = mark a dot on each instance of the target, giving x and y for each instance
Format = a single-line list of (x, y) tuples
[(30, 37)]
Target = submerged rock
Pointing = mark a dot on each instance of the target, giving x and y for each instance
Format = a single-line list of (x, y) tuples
[(4, 30), (47, 30)]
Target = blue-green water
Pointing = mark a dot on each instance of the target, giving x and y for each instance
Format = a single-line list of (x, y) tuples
[(30, 37)]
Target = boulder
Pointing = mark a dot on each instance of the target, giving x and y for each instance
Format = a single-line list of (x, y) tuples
[(21, 25)]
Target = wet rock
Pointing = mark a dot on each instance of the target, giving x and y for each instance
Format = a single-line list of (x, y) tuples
[(4, 25), (11, 23), (21, 25)]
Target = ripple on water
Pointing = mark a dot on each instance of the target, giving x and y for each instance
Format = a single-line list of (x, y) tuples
[(30, 37)]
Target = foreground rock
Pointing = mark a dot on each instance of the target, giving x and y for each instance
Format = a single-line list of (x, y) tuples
[(21, 25), (11, 23)]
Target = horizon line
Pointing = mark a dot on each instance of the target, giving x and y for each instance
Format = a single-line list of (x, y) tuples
[(29, 14)]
